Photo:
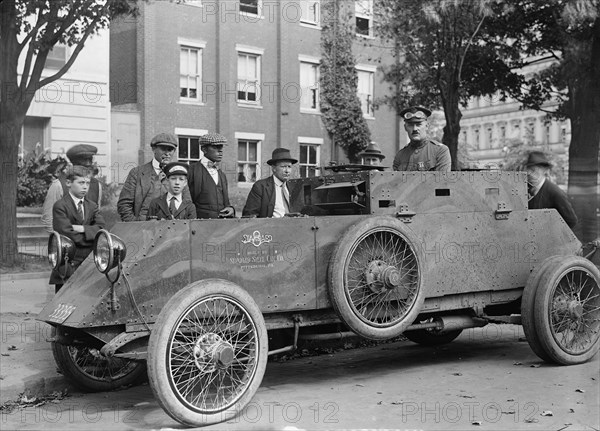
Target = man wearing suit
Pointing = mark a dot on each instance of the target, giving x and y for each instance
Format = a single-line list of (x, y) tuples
[(207, 183), (270, 197), (545, 194), (78, 218), (145, 183)]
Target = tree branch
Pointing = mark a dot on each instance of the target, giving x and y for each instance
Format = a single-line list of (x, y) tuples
[(462, 60)]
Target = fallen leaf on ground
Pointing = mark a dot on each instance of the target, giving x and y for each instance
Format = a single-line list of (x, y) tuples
[(4, 354), (457, 374), (476, 423), (535, 365), (531, 421), (358, 384), (12, 347), (517, 363), (547, 413), (581, 391), (397, 403), (571, 411)]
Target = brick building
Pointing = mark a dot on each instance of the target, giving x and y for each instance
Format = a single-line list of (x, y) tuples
[(248, 69)]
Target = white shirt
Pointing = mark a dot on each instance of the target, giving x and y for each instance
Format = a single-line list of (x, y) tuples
[(178, 200), (157, 168), (534, 190), (76, 201), (214, 172), (280, 209)]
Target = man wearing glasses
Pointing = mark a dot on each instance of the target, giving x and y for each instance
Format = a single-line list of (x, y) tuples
[(422, 153)]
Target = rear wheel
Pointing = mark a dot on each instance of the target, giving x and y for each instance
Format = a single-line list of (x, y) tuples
[(375, 278), (567, 311), (90, 371), (208, 353)]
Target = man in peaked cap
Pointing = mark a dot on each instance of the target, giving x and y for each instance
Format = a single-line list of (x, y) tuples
[(78, 155), (171, 205), (270, 197), (543, 193), (208, 183), (371, 155), (422, 153), (147, 182)]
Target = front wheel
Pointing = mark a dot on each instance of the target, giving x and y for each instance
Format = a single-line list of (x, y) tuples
[(567, 311), (90, 371), (208, 352)]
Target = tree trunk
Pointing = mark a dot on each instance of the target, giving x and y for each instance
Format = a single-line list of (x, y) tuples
[(584, 149), (10, 136), (452, 127)]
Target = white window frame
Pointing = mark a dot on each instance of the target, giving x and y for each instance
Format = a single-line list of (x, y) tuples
[(315, 62), (184, 132), (259, 8), (305, 7), (310, 141), (259, 138), (365, 15), (373, 71), (56, 58), (255, 52), (199, 46), (194, 3)]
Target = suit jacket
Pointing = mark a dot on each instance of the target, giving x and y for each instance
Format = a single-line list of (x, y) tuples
[(64, 216), (206, 195), (261, 199), (551, 196), (140, 187), (160, 209)]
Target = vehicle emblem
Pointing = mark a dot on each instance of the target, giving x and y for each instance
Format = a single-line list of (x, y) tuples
[(61, 313), (256, 239)]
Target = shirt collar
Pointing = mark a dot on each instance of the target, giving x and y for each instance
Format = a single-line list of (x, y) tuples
[(415, 145), (76, 200), (177, 198), (156, 165), (278, 182), (206, 162)]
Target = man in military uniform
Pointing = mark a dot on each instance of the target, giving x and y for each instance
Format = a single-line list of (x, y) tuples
[(422, 153)]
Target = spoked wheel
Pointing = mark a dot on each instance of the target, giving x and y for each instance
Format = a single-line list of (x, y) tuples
[(567, 310), (208, 353), (375, 279), (90, 371), (431, 337)]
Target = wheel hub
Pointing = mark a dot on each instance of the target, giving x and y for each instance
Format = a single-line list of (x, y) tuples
[(212, 352), (380, 276), (575, 309)]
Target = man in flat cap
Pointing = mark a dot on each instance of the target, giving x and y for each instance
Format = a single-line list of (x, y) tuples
[(543, 193), (422, 153), (171, 206), (79, 155), (207, 183), (145, 183), (270, 197), (371, 155)]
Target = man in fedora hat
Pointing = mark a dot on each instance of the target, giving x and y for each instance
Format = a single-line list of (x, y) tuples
[(270, 197), (79, 155), (542, 192), (208, 183), (147, 182), (371, 155), (422, 153)]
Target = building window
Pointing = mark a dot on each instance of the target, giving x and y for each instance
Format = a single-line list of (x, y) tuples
[(547, 133), (248, 160), (57, 57), (502, 134), (188, 149), (309, 160), (190, 67), (365, 91), (248, 78), (477, 139), (310, 11), (463, 137), (249, 6), (490, 137), (563, 134), (309, 82), (34, 137), (363, 10)]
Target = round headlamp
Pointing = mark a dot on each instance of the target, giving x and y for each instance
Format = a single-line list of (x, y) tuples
[(60, 249), (109, 251)]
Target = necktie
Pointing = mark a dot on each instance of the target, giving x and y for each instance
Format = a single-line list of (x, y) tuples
[(286, 197), (80, 211), (172, 207)]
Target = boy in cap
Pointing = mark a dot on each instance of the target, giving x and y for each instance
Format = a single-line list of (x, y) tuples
[(78, 155), (270, 197), (171, 205), (77, 218), (422, 153), (543, 193), (207, 183), (145, 183)]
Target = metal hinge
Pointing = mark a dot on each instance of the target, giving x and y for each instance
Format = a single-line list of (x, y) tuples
[(502, 212), (404, 214)]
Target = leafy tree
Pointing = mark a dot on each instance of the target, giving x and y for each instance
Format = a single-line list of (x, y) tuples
[(568, 32), (340, 106), (29, 29), (440, 60)]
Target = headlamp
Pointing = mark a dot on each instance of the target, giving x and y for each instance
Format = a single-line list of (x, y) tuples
[(109, 251), (60, 250)]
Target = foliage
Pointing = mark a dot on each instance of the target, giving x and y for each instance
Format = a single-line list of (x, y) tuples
[(340, 105), (515, 156), (33, 179)]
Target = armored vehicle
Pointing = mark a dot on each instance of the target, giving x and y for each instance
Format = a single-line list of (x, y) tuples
[(424, 254)]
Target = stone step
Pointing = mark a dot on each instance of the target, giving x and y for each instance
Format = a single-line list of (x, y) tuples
[(33, 244), (31, 229), (29, 219)]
